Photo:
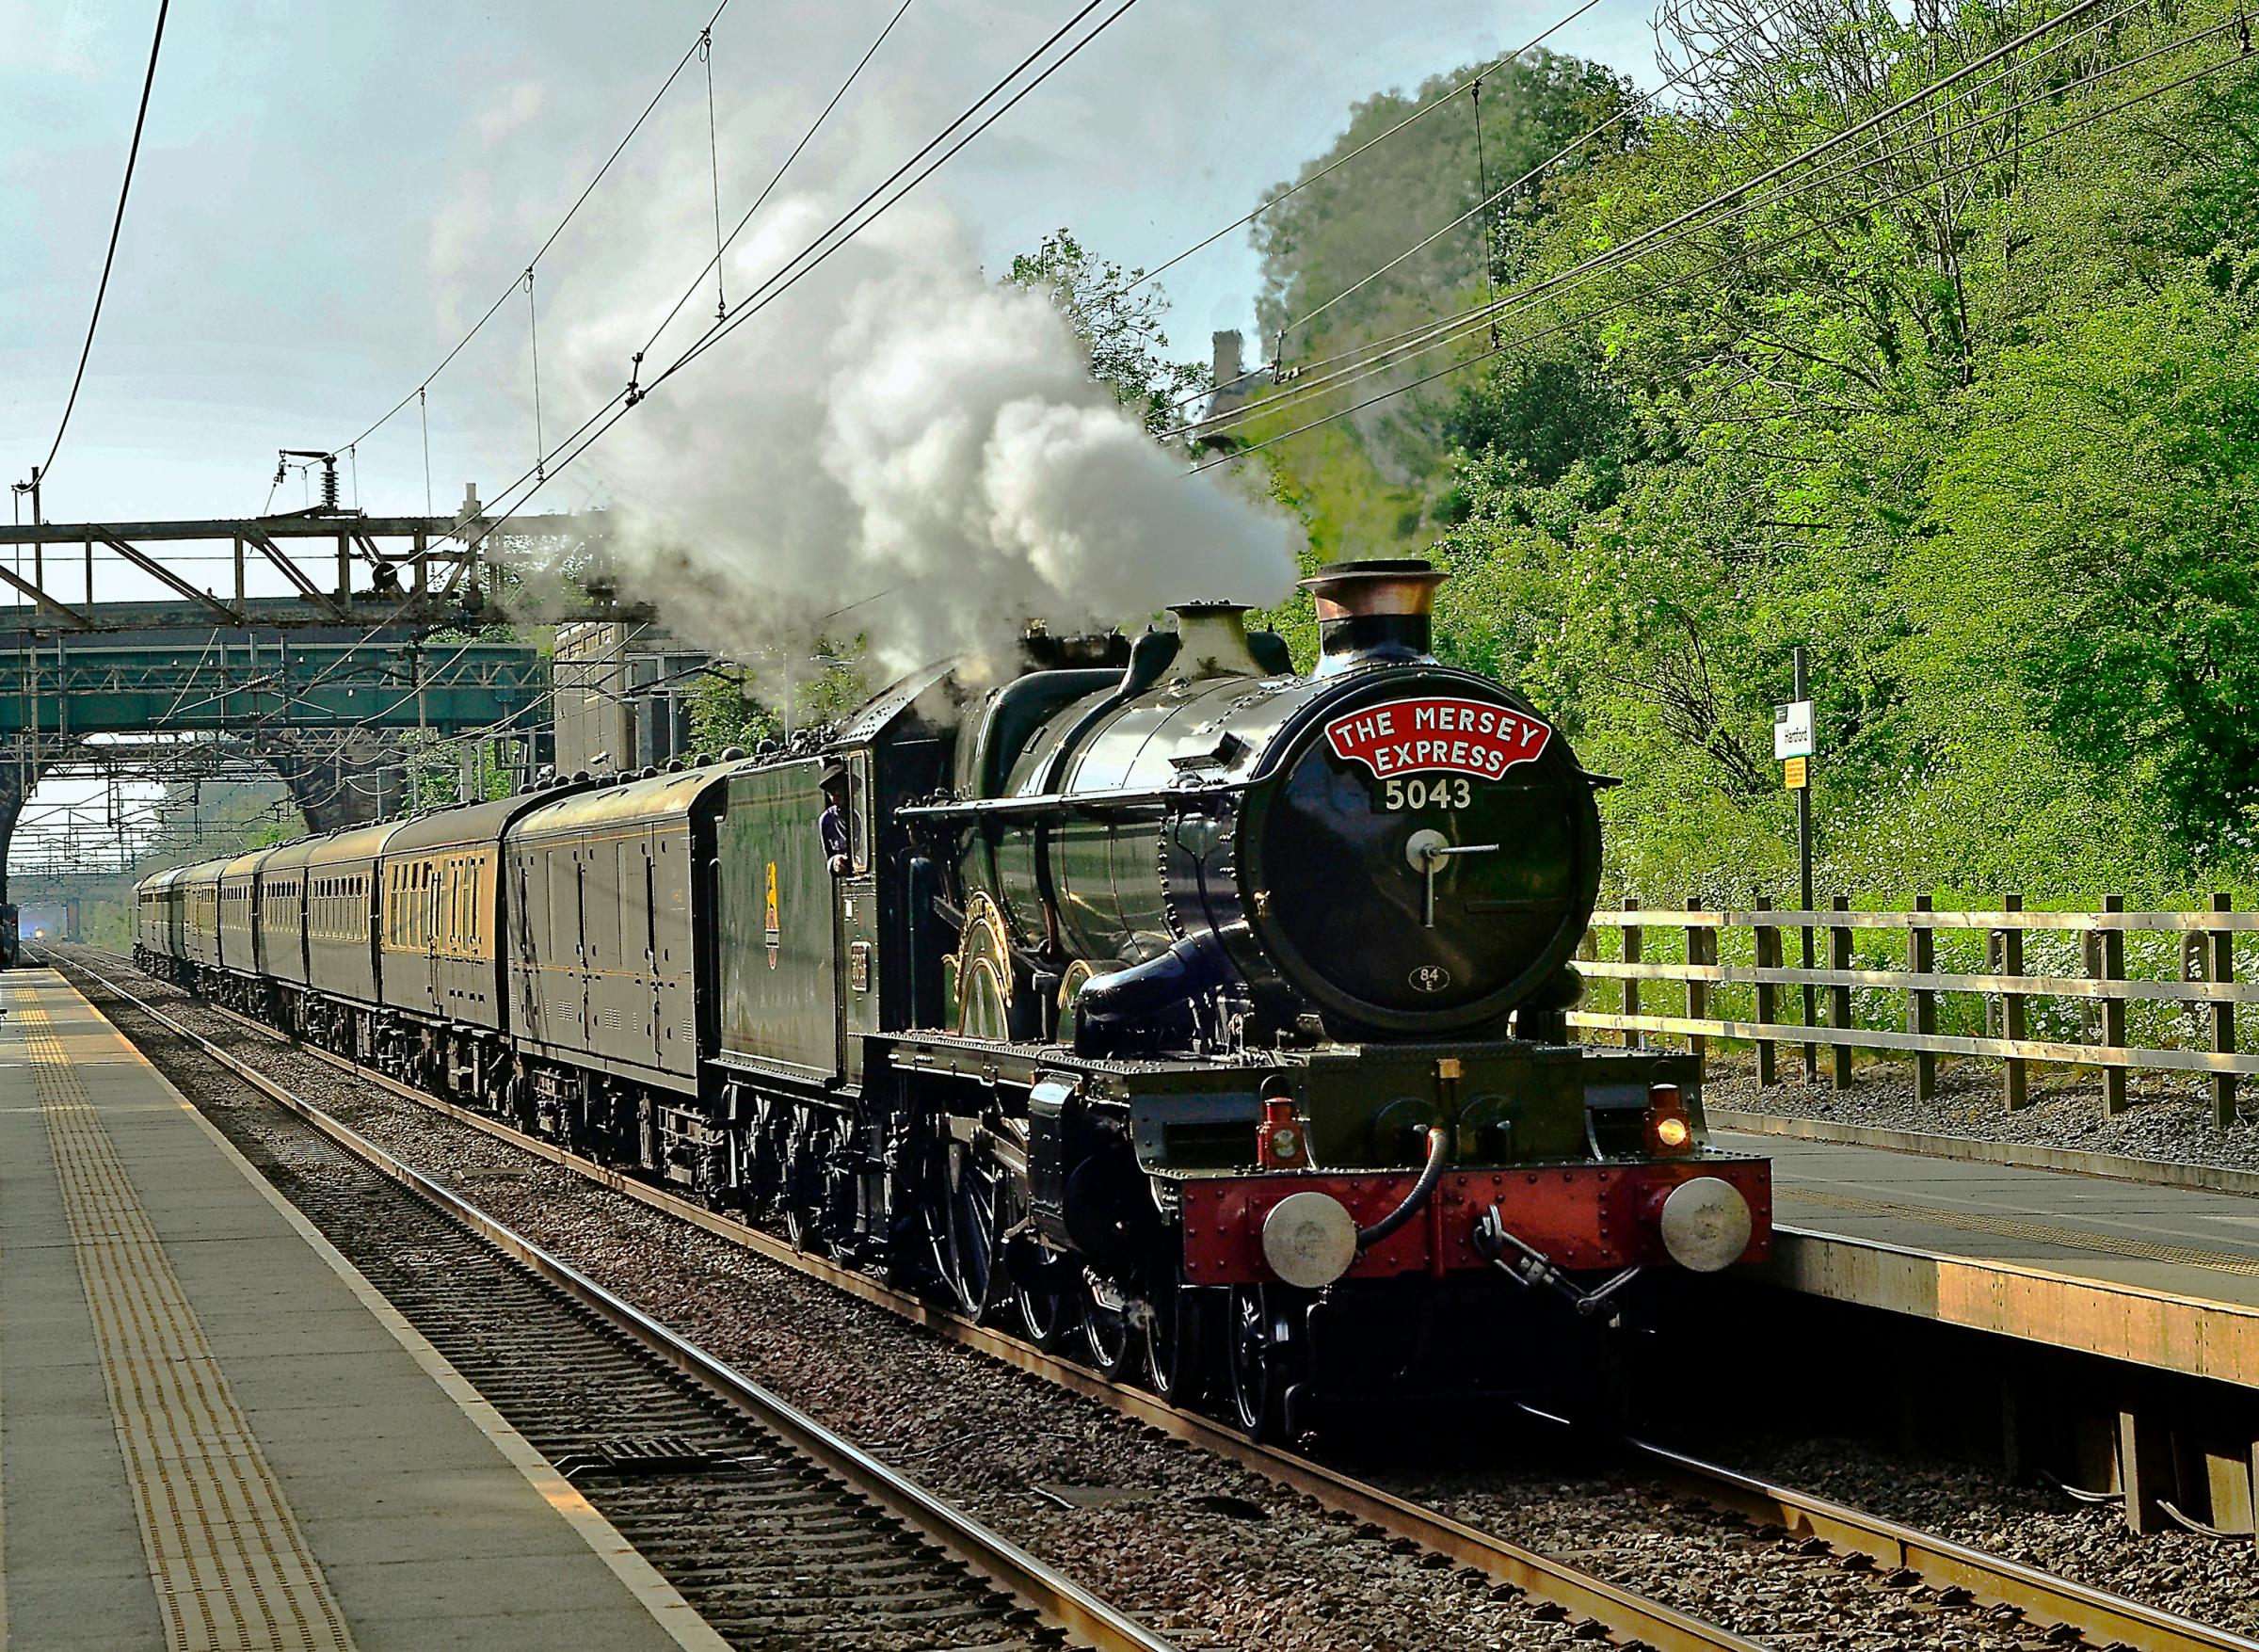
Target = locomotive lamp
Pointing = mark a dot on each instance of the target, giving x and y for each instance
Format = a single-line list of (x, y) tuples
[(1669, 1127)]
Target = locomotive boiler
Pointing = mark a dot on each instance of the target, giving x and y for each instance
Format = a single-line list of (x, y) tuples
[(1196, 1012)]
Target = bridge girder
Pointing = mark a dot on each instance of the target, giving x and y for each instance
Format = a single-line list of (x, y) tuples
[(412, 570)]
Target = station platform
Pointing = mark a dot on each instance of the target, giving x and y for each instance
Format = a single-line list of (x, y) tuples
[(2166, 1277), (215, 1436)]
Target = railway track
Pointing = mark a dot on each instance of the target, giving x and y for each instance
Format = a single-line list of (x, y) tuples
[(1955, 1572), (779, 1532)]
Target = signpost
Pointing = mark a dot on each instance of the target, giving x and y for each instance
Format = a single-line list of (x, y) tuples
[(1793, 744)]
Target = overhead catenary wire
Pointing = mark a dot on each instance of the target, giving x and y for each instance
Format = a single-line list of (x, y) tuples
[(1920, 185), (1379, 354), (1493, 198), (580, 200), (109, 258), (809, 258), (1620, 253), (713, 156), (622, 402), (1420, 114), (1466, 323), (778, 177)]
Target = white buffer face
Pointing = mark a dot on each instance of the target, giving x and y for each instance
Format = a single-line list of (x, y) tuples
[(1705, 1224), (1309, 1238)]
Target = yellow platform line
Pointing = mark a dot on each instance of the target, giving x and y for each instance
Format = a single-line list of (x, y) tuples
[(232, 1570)]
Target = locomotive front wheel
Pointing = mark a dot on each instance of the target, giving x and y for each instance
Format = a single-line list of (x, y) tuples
[(1177, 1340), (974, 1205), (1258, 1354), (1109, 1336), (1044, 1316)]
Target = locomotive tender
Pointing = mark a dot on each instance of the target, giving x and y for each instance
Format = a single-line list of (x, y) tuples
[(1204, 1014)]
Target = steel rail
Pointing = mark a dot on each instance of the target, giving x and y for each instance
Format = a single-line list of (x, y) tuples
[(1629, 1616), (1989, 1579), (1939, 1562), (1057, 1598)]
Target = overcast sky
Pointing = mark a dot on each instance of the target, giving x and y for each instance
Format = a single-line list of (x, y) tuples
[(329, 193)]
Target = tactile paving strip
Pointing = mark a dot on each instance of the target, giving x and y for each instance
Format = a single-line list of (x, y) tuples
[(232, 1570), (2039, 1232)]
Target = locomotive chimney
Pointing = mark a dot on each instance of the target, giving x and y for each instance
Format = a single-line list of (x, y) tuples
[(1373, 612), (1211, 641)]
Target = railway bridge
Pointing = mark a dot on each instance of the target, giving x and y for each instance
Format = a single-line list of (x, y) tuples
[(302, 645)]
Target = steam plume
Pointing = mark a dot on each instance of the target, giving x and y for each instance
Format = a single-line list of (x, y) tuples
[(902, 450)]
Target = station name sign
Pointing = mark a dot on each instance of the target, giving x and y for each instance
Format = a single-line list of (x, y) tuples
[(1432, 732)]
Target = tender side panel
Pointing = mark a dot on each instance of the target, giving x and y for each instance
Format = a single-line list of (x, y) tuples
[(774, 923)]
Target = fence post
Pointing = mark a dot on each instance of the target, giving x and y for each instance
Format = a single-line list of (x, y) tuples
[(1921, 1004), (1769, 957), (1699, 952), (2224, 1017), (1839, 995), (1632, 982), (2011, 1008), (2113, 960)]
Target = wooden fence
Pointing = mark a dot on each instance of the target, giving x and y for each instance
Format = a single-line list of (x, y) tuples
[(2190, 1018)]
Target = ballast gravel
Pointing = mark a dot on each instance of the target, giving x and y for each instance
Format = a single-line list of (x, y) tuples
[(2169, 1120), (1207, 1553), (2212, 1579)]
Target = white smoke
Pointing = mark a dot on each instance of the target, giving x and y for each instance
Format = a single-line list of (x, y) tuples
[(902, 450)]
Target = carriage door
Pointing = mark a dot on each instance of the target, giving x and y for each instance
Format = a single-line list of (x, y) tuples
[(579, 945), (651, 942), (435, 876), (514, 944), (856, 957)]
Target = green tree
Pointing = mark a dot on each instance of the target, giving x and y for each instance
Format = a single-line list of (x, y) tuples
[(1116, 316), (1340, 270), (1968, 413)]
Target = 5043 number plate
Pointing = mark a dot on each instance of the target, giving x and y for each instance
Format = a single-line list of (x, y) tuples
[(1423, 791)]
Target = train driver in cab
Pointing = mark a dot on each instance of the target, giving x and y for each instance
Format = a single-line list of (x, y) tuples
[(834, 826)]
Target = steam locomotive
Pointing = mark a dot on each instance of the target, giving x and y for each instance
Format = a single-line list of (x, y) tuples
[(1198, 1015)]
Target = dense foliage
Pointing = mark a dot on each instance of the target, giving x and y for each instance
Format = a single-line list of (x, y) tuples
[(1968, 406)]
